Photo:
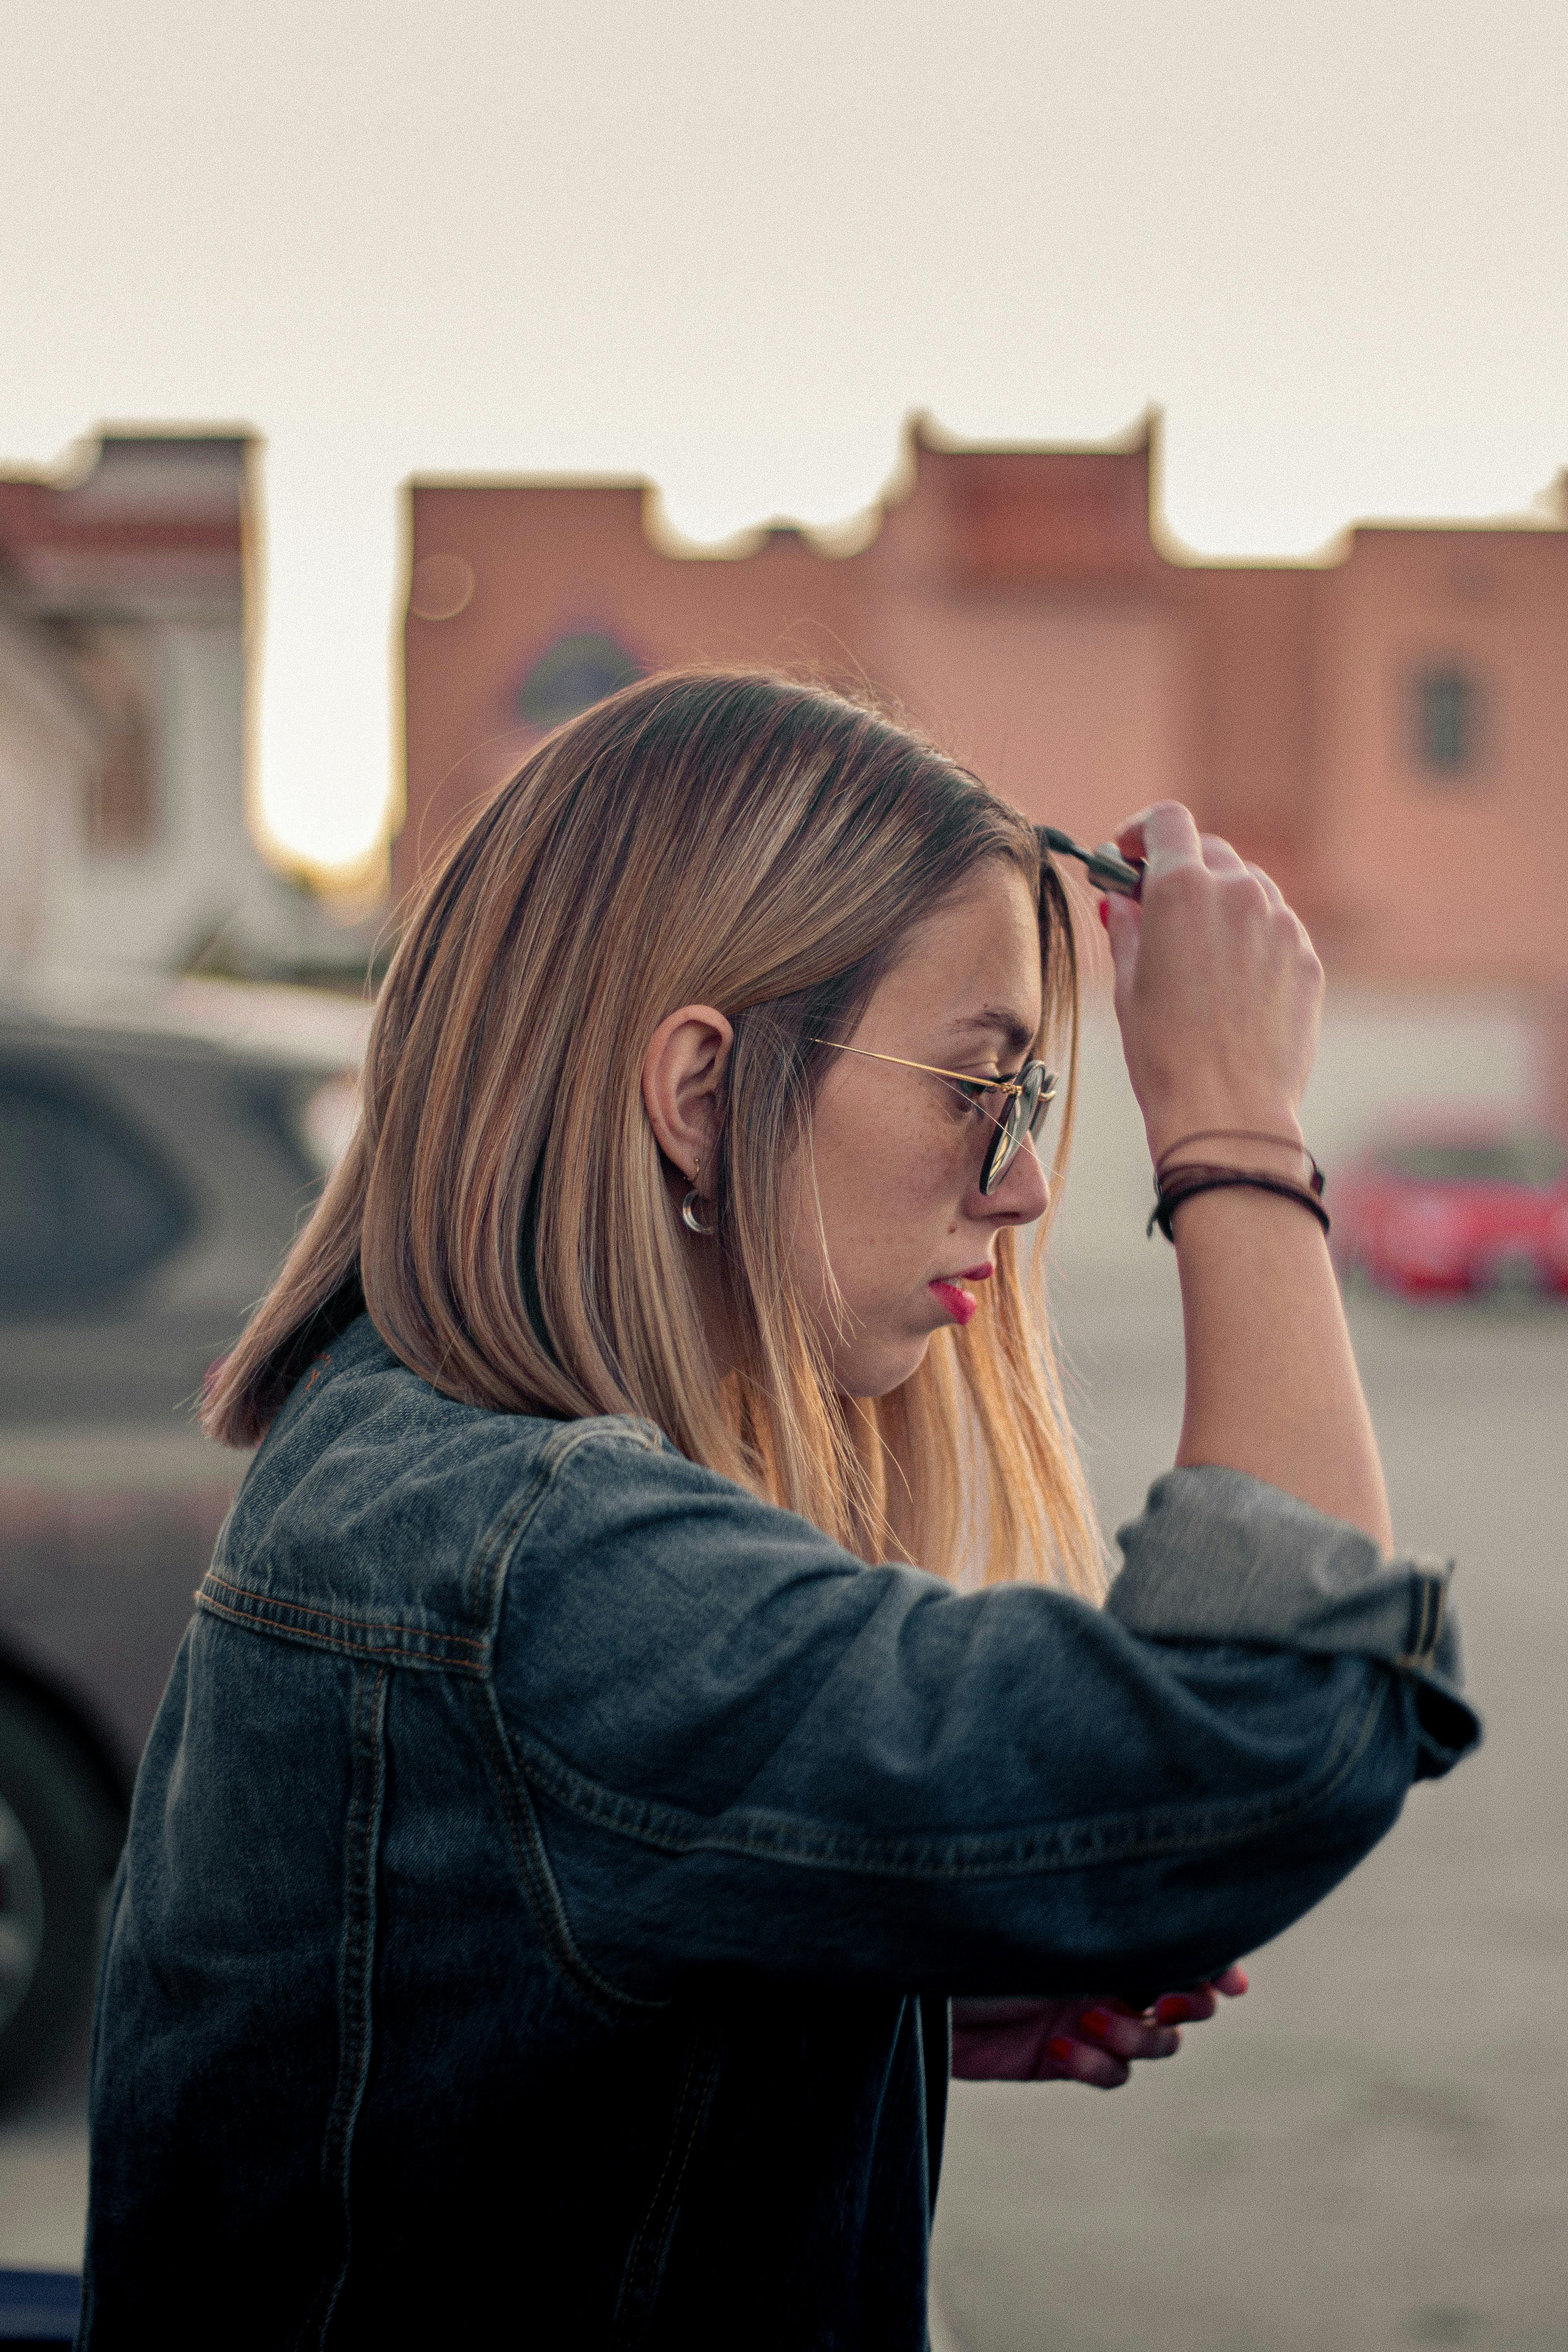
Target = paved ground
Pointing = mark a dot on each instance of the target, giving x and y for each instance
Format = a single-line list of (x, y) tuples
[(43, 2174), (1371, 2150)]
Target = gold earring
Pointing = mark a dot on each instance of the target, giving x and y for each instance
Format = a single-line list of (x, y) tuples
[(688, 1217)]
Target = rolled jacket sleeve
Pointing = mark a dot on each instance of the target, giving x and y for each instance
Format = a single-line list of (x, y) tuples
[(742, 1748), (1220, 1557)]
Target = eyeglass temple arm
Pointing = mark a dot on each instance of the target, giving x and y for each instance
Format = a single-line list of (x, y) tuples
[(1105, 865), (960, 1078)]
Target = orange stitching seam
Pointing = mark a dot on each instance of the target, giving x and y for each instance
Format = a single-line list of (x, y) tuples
[(253, 1623), (360, 1625)]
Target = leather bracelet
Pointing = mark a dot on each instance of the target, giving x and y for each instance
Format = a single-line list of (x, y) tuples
[(1170, 1193), (1237, 1135)]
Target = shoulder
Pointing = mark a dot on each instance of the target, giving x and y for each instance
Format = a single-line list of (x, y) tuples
[(617, 1491), (621, 1478), (373, 1489)]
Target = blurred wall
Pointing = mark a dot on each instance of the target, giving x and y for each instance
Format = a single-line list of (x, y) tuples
[(1387, 730), (1452, 871), (49, 749)]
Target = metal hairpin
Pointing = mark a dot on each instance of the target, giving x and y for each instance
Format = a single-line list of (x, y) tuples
[(1105, 866)]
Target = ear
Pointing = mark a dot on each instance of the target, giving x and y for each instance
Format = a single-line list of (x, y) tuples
[(682, 1072)]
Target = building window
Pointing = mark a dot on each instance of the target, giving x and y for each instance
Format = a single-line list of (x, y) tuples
[(1446, 716), (113, 665), (572, 674)]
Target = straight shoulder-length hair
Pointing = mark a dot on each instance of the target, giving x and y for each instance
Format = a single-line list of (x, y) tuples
[(504, 1213)]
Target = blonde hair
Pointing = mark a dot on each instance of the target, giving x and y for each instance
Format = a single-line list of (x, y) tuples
[(737, 839)]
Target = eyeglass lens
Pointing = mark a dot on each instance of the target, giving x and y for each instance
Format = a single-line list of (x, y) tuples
[(1025, 1115)]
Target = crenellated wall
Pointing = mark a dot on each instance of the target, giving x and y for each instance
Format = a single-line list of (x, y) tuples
[(1027, 607)]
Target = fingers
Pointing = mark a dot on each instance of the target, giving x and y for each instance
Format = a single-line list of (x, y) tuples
[(1072, 2060), (1221, 858), (1094, 2042), (1164, 835), (1185, 2008), (1191, 2006), (1118, 2030), (1165, 838)]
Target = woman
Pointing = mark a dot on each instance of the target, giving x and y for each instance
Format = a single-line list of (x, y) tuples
[(570, 1815)]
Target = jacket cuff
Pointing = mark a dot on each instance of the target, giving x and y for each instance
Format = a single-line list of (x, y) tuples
[(1220, 1557)]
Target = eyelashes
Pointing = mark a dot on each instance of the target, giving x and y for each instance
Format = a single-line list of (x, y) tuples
[(972, 1097)]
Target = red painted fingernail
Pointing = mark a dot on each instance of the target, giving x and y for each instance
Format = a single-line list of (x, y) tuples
[(1105, 912), (1060, 2048), (1096, 2022), (1171, 2009)]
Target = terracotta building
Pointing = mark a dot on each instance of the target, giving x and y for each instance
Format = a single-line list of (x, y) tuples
[(1386, 730)]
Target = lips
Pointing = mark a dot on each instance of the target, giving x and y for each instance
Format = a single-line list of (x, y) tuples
[(948, 1290)]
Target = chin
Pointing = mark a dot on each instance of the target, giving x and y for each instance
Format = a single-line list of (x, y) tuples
[(877, 1371)]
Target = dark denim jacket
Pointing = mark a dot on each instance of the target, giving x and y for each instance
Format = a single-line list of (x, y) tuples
[(550, 1866)]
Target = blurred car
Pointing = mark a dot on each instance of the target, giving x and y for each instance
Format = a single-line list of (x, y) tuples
[(1451, 1209), (158, 1147)]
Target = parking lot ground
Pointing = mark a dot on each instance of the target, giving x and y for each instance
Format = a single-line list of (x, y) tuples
[(1370, 2150), (43, 2172)]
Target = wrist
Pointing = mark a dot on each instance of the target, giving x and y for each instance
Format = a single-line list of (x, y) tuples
[(1257, 1135), (1255, 1203)]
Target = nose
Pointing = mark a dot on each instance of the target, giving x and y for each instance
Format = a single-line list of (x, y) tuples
[(1022, 1196)]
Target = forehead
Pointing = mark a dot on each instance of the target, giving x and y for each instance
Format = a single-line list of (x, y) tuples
[(972, 966)]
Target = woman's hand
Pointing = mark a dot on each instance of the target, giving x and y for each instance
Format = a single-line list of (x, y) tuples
[(1077, 2041), (1217, 993), (1217, 988)]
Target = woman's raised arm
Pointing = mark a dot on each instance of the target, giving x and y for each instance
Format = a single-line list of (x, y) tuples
[(1218, 993)]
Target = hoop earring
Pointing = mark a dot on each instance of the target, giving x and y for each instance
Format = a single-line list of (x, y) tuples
[(688, 1217)]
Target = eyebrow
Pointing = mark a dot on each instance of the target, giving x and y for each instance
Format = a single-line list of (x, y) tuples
[(996, 1020)]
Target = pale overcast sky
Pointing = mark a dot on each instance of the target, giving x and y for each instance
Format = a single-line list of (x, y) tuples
[(730, 245)]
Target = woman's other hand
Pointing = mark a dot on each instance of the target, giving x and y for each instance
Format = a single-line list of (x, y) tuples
[(1218, 990), (1081, 2040)]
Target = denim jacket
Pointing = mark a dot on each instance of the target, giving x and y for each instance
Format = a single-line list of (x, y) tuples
[(550, 1866)]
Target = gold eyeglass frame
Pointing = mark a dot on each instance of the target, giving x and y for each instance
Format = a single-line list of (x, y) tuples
[(1049, 1083)]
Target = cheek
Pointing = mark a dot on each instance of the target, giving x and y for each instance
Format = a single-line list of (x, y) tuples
[(889, 1176)]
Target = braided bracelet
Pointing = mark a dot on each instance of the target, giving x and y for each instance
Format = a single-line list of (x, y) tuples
[(1195, 1176)]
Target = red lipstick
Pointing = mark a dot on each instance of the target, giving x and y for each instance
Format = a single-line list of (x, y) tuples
[(958, 1302)]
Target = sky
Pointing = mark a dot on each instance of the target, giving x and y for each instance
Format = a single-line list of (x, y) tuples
[(730, 247)]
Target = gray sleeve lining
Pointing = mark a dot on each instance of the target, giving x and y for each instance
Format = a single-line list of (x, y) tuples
[(1220, 1557)]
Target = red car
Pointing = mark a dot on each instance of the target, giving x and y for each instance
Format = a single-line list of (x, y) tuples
[(1443, 1210)]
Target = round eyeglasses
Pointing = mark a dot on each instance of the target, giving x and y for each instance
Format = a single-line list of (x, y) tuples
[(1017, 1107)]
